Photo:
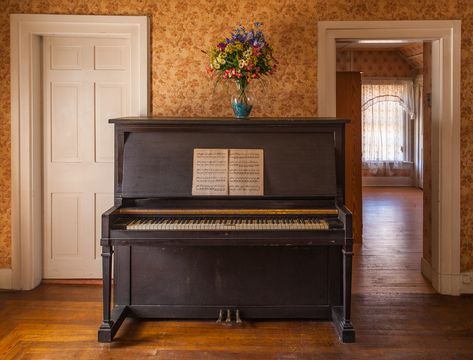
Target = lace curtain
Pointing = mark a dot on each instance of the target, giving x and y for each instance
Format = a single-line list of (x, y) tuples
[(386, 106)]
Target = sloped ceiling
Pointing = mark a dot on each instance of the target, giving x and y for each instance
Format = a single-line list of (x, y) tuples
[(411, 52)]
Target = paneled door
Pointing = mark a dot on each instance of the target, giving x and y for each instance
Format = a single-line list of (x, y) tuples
[(86, 82)]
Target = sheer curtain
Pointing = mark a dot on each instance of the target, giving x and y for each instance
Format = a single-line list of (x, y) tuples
[(386, 106)]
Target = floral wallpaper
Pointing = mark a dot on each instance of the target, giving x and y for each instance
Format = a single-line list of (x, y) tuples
[(375, 63), (181, 28)]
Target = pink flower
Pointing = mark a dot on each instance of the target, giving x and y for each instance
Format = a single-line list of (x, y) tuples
[(256, 50)]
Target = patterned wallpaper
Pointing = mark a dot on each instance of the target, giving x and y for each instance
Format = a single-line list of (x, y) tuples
[(374, 63), (181, 28)]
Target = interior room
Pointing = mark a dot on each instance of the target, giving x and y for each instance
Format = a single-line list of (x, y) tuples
[(258, 180)]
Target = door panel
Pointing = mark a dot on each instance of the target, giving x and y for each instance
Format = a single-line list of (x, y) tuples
[(86, 82), (110, 101), (65, 209), (65, 113)]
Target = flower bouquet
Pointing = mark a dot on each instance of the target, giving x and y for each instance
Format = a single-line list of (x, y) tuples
[(243, 57)]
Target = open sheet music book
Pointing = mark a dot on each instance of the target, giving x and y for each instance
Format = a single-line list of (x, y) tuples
[(228, 172)]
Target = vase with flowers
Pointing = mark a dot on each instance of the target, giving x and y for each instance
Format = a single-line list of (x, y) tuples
[(242, 57)]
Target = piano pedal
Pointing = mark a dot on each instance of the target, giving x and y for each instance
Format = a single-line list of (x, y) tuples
[(220, 316), (237, 317), (228, 320)]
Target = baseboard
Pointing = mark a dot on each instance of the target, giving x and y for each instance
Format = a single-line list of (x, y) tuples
[(426, 269), (466, 285), (388, 181), (5, 279), (447, 284)]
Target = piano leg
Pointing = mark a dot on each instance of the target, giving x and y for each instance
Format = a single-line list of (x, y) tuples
[(111, 319), (342, 315)]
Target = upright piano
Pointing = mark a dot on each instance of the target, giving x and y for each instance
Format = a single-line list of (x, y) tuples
[(285, 254)]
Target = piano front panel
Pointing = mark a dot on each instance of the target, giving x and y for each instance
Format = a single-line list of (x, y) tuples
[(237, 277)]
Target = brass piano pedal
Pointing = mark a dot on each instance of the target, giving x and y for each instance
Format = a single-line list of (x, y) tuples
[(238, 318), (220, 316), (228, 320)]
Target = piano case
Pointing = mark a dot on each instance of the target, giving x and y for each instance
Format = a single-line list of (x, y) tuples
[(239, 275)]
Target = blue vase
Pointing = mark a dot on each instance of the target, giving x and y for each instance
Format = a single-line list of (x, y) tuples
[(242, 101)]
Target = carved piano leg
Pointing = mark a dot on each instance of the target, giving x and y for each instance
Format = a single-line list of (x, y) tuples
[(112, 319), (342, 315), (105, 330)]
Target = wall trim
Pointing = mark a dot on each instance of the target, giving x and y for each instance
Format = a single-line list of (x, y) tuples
[(446, 55), (388, 181), (426, 269), (26, 31), (466, 286), (5, 278)]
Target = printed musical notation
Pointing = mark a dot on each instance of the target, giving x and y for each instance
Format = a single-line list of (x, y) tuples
[(228, 172)]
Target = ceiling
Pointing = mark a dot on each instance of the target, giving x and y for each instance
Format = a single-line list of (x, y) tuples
[(410, 51)]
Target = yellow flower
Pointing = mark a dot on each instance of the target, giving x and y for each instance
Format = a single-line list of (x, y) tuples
[(221, 61), (216, 66)]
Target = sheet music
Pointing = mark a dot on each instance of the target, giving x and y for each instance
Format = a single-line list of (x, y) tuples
[(246, 172), (210, 172)]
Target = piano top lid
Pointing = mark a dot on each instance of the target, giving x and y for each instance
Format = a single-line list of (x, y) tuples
[(168, 120)]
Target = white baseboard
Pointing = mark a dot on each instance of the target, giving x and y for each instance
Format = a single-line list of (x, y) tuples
[(388, 181), (5, 279), (426, 269), (466, 285), (447, 284)]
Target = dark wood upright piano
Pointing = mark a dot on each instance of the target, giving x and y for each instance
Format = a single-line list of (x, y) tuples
[(284, 255)]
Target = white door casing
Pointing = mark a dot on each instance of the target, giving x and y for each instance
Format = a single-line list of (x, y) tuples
[(86, 82), (445, 35), (26, 32)]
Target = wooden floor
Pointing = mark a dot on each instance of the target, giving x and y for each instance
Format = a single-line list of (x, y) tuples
[(396, 313)]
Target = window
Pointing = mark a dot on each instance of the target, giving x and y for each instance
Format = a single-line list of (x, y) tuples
[(385, 113)]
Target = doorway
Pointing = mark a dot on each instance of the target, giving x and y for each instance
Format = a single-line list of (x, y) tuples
[(444, 269), (26, 100)]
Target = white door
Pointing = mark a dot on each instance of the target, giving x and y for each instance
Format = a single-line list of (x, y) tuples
[(86, 82)]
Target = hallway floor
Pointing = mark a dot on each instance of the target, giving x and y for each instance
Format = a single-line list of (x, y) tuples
[(388, 261)]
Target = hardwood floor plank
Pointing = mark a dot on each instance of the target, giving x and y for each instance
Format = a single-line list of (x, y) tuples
[(396, 313)]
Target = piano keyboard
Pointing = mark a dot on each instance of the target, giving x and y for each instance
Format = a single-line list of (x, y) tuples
[(228, 224)]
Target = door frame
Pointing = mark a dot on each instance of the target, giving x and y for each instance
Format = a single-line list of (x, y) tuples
[(444, 271), (26, 31)]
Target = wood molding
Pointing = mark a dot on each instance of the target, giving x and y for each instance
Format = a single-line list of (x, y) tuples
[(466, 286), (5, 278), (26, 31), (426, 269), (388, 181), (446, 37)]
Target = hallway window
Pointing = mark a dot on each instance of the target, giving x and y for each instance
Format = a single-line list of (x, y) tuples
[(386, 110)]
